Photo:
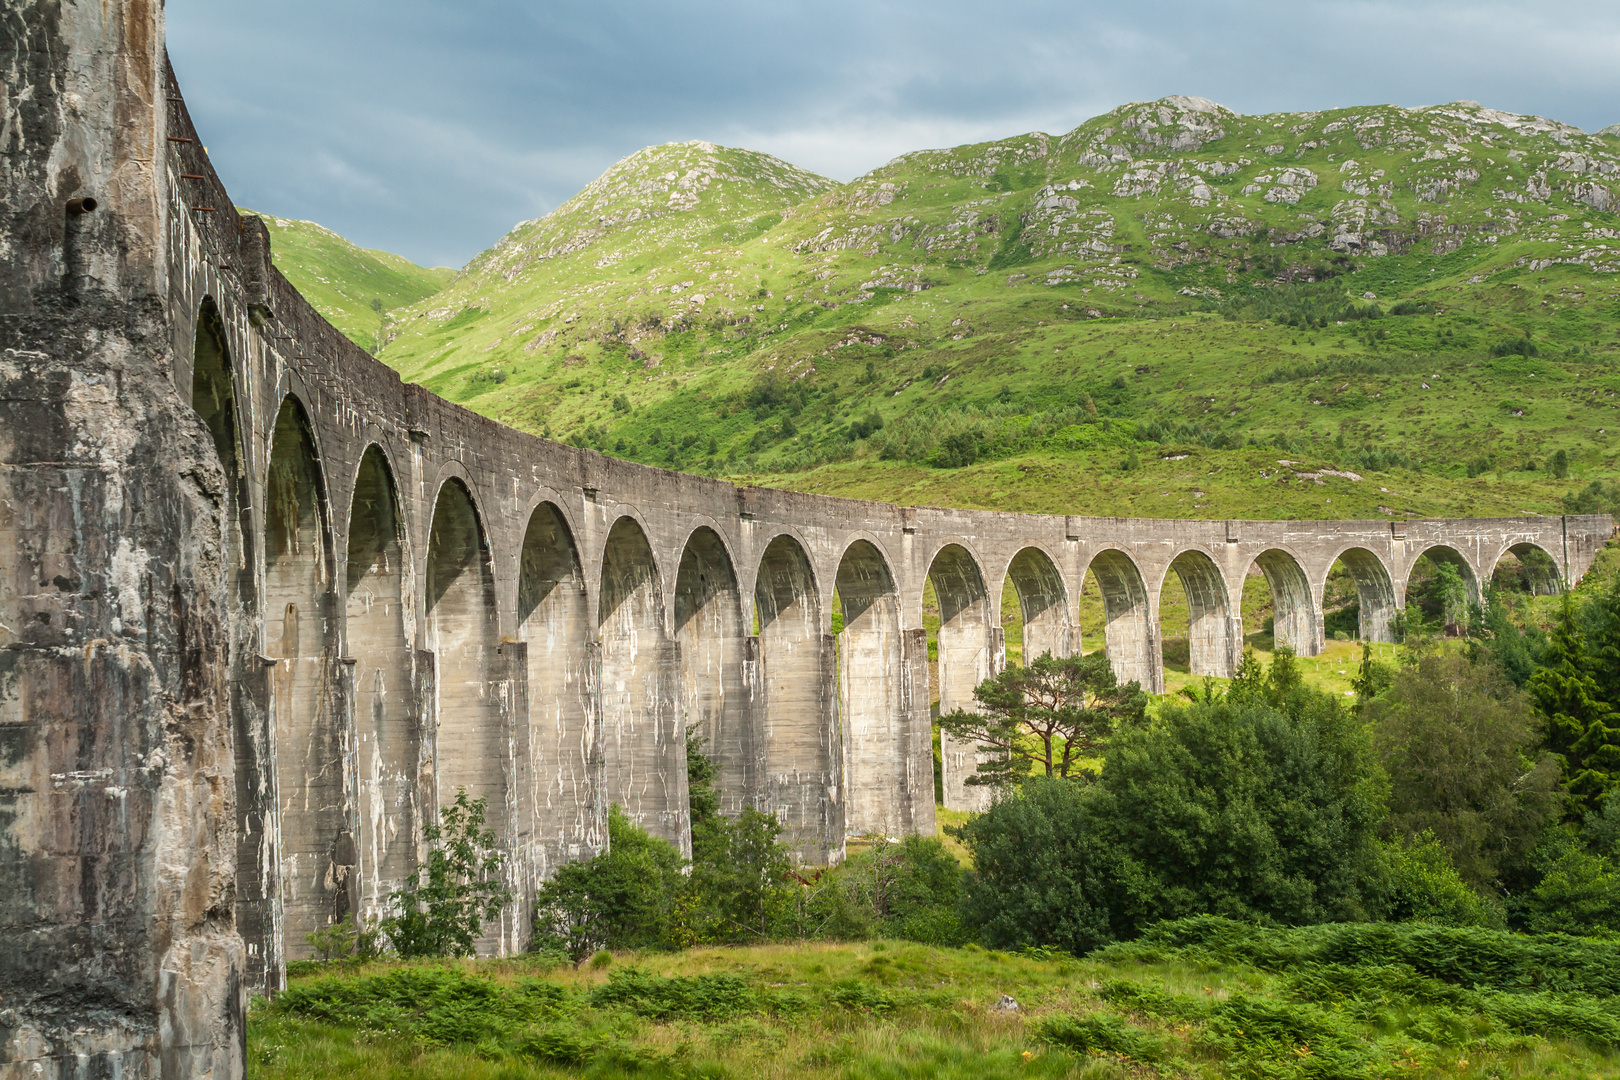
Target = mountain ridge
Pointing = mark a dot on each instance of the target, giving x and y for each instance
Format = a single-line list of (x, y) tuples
[(719, 310)]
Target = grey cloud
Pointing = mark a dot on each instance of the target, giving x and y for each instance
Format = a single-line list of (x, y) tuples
[(429, 128)]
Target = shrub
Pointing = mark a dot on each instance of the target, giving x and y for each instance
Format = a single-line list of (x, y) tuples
[(1242, 808), (1041, 874), (619, 899), (441, 909), (1460, 746), (1417, 883)]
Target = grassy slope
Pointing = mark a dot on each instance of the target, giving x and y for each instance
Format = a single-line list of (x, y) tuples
[(930, 1013), (1022, 278), (342, 280)]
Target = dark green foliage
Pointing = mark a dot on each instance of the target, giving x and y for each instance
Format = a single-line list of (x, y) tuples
[(1052, 714), (1579, 890), (1460, 747), (1102, 1032), (907, 890), (866, 426), (1581, 726), (436, 1005), (623, 898), (740, 876), (702, 997), (1262, 806), (1467, 957), (441, 909), (1560, 469), (1417, 882), (1041, 873), (1515, 347), (1595, 498)]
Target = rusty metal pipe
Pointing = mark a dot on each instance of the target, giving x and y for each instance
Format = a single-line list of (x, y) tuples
[(82, 205)]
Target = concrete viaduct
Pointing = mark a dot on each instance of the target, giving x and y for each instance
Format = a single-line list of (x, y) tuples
[(264, 607)]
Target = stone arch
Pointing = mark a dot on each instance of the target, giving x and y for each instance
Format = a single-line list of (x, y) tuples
[(969, 648), (709, 630), (1375, 593), (1447, 555), (1540, 567), (643, 739), (1296, 622), (1212, 640), (1044, 603), (380, 630), (1129, 635), (563, 744), (796, 731), (317, 850), (888, 761), (471, 694), (213, 398)]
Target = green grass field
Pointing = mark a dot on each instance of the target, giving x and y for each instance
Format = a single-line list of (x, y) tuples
[(886, 1009)]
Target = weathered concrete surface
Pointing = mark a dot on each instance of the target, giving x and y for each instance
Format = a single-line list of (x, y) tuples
[(118, 955), (264, 609)]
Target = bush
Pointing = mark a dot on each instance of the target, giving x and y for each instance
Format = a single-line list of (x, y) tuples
[(1417, 883), (619, 899), (1460, 746), (1239, 807), (1041, 874), (441, 909)]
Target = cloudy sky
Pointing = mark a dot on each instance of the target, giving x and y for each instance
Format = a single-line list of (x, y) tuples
[(429, 127)]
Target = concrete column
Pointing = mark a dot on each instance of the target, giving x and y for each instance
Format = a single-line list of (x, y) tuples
[(965, 624), (1132, 628), (874, 696), (314, 801), (553, 619), (472, 736), (1296, 610), (801, 773), (1375, 594), (1208, 616), (509, 684), (916, 791), (643, 735), (386, 726)]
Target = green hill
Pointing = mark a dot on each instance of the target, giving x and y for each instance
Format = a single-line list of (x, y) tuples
[(343, 280), (1172, 310)]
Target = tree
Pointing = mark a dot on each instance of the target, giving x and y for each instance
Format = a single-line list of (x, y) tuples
[(1041, 874), (1242, 809), (627, 897), (1055, 713), (1460, 747), (443, 907), (1581, 727), (741, 877)]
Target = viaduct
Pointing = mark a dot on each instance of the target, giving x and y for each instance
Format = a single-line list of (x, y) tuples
[(264, 607)]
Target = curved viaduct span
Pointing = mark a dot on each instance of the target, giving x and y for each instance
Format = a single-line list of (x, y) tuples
[(264, 607)]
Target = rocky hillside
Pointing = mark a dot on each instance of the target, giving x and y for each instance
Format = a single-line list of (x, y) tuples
[(353, 287), (1147, 302)]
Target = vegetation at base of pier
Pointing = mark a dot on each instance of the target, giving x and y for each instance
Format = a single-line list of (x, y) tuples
[(1171, 311), (1262, 878)]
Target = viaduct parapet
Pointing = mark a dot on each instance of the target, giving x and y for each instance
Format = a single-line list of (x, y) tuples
[(264, 608)]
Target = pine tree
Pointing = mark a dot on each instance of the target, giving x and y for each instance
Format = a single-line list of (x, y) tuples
[(1581, 726)]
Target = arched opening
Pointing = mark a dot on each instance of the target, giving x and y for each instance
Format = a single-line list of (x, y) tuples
[(967, 648), (798, 733), (1528, 569), (318, 884), (213, 397), (1195, 623), (709, 631), (1358, 598), (1130, 636), (1294, 621), (388, 747), (473, 740), (887, 763), (555, 625), (1440, 589), (1034, 600), (644, 741)]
